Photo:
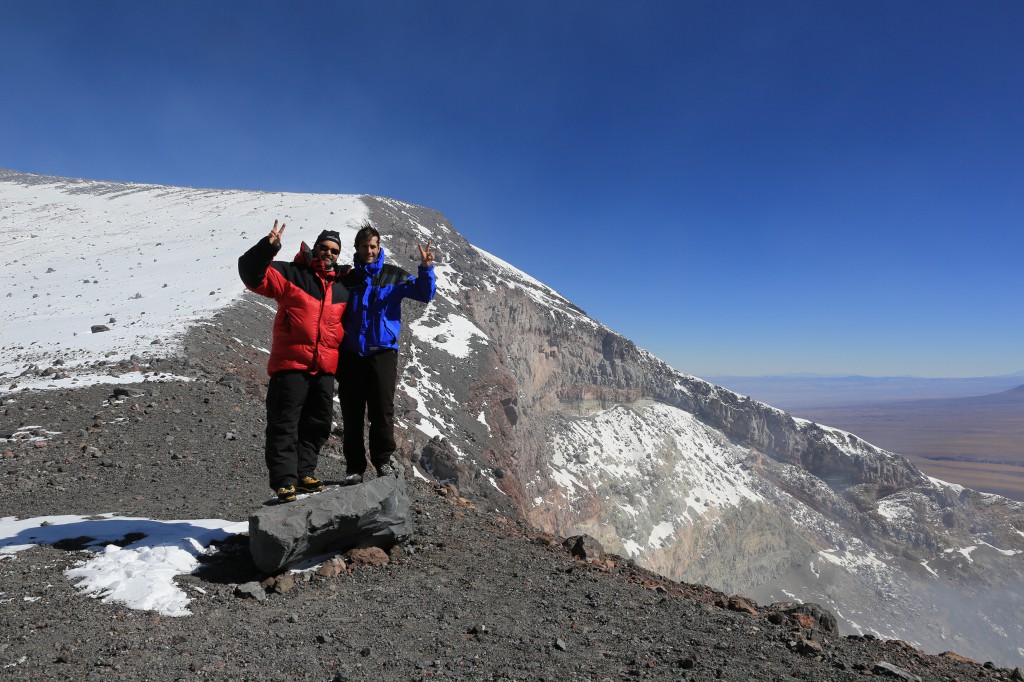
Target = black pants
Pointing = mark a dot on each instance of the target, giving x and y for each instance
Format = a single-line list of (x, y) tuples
[(299, 413), (366, 386)]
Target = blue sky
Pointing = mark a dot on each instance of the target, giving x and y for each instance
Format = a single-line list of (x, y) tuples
[(739, 187)]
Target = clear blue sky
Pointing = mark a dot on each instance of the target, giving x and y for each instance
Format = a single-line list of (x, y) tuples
[(741, 187)]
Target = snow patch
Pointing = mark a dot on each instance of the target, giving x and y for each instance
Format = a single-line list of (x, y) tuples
[(140, 574), (83, 380), (454, 335)]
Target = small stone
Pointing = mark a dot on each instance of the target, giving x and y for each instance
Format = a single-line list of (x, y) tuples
[(742, 605), (584, 547), (284, 583), (251, 590), (888, 669), (808, 647), (331, 568), (560, 645), (368, 556)]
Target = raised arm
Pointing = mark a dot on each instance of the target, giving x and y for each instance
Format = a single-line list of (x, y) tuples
[(275, 235), (426, 255), (423, 286), (254, 263)]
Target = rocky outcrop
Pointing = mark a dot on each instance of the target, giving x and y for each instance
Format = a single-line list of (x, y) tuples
[(374, 513)]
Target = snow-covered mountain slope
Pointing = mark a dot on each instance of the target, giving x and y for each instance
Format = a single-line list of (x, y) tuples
[(512, 392), (144, 261)]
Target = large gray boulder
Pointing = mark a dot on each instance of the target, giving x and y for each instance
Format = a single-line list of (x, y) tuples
[(338, 518)]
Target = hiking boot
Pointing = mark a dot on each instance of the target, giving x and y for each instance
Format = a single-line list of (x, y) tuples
[(309, 484), (385, 470), (352, 479), (286, 493)]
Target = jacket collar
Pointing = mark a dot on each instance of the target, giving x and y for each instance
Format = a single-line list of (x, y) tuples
[(369, 270)]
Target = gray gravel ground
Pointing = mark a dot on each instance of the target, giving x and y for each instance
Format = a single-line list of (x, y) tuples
[(472, 596)]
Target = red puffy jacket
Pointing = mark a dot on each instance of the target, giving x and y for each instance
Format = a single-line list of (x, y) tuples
[(307, 328)]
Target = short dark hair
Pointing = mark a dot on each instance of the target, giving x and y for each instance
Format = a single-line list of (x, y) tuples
[(366, 233)]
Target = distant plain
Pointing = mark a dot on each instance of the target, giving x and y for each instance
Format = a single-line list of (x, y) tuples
[(970, 439)]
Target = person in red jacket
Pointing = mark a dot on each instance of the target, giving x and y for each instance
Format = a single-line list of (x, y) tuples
[(303, 353)]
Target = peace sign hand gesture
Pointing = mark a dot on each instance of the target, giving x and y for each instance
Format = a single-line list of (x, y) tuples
[(275, 235), (426, 255)]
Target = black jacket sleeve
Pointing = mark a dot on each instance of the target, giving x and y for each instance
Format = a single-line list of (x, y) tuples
[(253, 264)]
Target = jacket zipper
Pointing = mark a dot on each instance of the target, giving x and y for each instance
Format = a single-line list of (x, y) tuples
[(315, 364)]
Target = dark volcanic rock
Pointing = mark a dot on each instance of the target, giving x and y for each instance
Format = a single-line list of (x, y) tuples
[(584, 547), (338, 518)]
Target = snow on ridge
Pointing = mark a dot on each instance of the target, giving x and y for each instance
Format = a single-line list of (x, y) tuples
[(541, 293), (454, 335), (447, 284), (857, 558), (425, 391), (655, 465), (963, 551), (660, 534), (149, 260), (505, 265), (1004, 552), (939, 483), (905, 506)]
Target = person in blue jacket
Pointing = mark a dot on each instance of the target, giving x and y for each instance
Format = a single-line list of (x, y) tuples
[(368, 364)]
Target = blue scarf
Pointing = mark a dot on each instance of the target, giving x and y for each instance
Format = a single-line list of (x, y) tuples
[(368, 271)]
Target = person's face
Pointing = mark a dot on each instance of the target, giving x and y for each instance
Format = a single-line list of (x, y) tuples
[(368, 250), (327, 252)]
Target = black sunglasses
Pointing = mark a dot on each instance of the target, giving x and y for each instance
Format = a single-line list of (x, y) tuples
[(327, 249)]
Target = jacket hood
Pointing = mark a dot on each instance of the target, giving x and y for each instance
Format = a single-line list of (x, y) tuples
[(305, 257)]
